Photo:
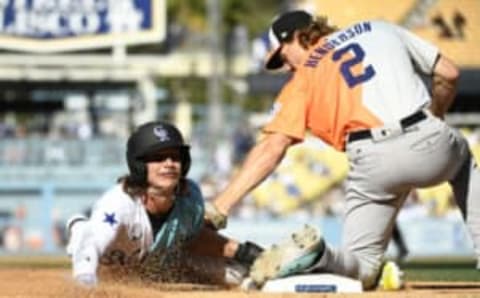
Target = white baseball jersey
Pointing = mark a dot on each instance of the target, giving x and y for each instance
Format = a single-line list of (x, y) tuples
[(119, 232)]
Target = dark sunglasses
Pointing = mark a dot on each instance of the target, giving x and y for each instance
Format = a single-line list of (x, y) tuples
[(162, 156)]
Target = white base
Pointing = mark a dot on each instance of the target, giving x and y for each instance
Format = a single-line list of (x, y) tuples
[(313, 283)]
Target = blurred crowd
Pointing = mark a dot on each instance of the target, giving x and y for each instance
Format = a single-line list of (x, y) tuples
[(309, 183)]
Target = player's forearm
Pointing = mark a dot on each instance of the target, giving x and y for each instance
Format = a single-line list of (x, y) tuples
[(85, 261), (444, 86), (260, 162), (210, 243), (443, 95), (89, 240)]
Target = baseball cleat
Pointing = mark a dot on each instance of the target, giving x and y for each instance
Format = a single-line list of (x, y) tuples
[(391, 278), (294, 255), (248, 284)]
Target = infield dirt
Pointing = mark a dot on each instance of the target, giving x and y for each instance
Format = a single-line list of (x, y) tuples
[(26, 282)]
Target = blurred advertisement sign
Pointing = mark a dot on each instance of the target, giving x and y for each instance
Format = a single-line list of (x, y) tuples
[(67, 25)]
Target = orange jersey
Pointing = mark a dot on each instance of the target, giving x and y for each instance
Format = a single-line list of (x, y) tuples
[(351, 81)]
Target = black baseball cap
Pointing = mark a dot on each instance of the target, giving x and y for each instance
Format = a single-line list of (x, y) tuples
[(282, 30)]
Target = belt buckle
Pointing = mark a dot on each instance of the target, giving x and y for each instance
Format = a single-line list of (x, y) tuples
[(386, 132)]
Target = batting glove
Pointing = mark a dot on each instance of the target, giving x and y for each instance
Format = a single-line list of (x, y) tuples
[(216, 219)]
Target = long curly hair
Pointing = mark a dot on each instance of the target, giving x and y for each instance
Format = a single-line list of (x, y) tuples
[(134, 189), (319, 28)]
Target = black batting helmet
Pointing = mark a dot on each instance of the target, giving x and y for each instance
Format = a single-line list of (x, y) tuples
[(149, 138)]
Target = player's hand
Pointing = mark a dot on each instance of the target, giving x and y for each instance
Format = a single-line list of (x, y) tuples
[(214, 217), (86, 280)]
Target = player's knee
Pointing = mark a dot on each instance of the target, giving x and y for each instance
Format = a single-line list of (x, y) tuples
[(369, 272), (369, 278)]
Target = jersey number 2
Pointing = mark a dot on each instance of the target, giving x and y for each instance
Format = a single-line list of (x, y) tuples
[(345, 68)]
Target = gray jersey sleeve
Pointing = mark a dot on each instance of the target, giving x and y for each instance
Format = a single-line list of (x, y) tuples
[(423, 53)]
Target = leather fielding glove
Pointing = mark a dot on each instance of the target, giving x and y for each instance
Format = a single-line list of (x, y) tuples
[(214, 218), (86, 280)]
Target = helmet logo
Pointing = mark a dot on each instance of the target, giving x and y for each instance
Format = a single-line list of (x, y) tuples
[(161, 133)]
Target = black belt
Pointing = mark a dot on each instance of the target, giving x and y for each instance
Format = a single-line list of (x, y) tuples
[(404, 123)]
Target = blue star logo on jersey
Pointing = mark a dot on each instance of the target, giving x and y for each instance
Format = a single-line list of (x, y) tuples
[(110, 218)]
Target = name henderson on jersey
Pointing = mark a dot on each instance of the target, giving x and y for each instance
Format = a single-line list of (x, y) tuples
[(342, 37)]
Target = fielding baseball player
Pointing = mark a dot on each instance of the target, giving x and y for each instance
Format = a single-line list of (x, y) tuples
[(359, 90), (152, 221)]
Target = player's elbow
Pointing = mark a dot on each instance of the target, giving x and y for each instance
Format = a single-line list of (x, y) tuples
[(453, 75), (277, 144), (447, 70)]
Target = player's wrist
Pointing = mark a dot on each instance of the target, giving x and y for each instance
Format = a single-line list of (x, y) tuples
[(247, 252), (214, 217), (222, 208)]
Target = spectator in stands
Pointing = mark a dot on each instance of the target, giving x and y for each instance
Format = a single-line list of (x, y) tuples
[(151, 221), (459, 23), (6, 130), (260, 47), (242, 142), (444, 30)]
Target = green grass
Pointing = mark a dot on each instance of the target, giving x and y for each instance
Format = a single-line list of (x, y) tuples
[(441, 270), (36, 262), (445, 269)]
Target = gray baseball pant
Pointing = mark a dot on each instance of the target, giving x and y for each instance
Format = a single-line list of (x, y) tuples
[(383, 170)]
